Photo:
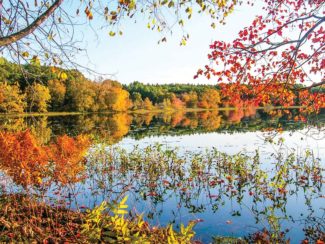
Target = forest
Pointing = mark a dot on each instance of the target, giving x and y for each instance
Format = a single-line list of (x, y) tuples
[(50, 89)]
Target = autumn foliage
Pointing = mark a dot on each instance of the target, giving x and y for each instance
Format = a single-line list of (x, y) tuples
[(68, 156), (11, 98), (277, 51), (29, 163), (24, 159)]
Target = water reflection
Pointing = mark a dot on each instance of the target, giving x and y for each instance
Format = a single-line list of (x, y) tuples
[(30, 163), (113, 127), (268, 197)]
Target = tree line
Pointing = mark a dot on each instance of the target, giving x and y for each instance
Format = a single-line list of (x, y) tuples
[(37, 88), (44, 88)]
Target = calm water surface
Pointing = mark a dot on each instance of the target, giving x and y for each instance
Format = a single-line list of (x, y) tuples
[(193, 192)]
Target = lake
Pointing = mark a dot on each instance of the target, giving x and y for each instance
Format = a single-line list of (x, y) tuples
[(236, 173)]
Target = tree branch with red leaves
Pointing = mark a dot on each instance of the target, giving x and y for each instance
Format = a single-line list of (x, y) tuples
[(275, 53)]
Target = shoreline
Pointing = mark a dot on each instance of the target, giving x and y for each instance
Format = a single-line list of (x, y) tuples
[(140, 111)]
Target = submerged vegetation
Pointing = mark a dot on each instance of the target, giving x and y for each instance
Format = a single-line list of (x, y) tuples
[(54, 196)]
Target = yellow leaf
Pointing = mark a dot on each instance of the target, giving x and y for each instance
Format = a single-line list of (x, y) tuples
[(122, 206), (120, 211), (123, 201), (63, 76), (25, 54)]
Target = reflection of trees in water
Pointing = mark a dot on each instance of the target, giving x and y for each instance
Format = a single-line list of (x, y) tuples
[(30, 163), (109, 127), (143, 119), (41, 130), (113, 127), (38, 126), (210, 120)]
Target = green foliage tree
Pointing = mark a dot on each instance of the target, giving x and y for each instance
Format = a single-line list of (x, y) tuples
[(157, 93)]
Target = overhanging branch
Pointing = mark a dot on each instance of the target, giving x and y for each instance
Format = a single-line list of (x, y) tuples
[(32, 27)]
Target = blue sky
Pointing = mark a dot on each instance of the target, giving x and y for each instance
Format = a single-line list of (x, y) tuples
[(136, 55)]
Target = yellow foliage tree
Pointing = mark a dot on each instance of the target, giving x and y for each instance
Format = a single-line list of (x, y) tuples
[(57, 91), (147, 104), (11, 99), (209, 99), (83, 96), (38, 97), (111, 96), (121, 101), (190, 99)]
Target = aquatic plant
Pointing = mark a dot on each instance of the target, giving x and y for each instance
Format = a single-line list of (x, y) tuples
[(199, 181)]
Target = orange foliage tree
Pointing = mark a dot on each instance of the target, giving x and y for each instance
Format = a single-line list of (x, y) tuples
[(176, 103), (190, 99), (22, 158), (147, 104)]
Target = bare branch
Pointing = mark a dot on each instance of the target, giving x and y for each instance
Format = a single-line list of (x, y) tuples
[(6, 40)]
